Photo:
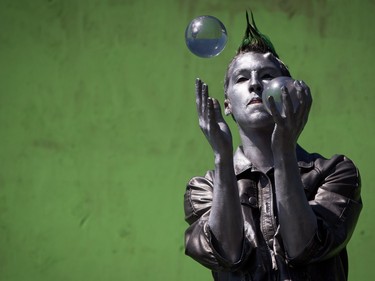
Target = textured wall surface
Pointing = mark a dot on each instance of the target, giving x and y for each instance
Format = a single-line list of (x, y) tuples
[(98, 132)]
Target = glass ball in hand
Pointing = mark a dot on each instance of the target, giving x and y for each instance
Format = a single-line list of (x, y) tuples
[(273, 88)]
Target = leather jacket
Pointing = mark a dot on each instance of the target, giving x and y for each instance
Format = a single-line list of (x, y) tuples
[(332, 187)]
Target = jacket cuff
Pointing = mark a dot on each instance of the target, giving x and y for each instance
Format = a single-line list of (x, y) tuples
[(312, 248), (222, 261)]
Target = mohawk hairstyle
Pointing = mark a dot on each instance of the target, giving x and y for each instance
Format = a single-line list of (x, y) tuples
[(254, 40)]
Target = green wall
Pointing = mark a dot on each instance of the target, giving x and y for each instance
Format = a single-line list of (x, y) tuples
[(98, 132)]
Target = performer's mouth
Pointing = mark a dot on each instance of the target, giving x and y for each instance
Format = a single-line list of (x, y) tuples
[(255, 101)]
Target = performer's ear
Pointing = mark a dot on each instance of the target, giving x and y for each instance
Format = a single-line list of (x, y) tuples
[(227, 107)]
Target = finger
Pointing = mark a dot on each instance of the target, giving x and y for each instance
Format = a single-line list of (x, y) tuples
[(198, 95), (300, 98), (217, 109), (211, 113), (307, 101), (304, 101), (286, 102), (274, 112), (299, 89), (204, 98), (307, 93)]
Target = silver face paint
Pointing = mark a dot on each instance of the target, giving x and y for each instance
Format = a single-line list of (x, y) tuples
[(248, 76)]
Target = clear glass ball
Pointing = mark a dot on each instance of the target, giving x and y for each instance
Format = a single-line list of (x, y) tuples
[(206, 36), (273, 88)]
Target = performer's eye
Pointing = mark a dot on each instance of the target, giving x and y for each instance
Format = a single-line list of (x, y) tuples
[(241, 79), (267, 77)]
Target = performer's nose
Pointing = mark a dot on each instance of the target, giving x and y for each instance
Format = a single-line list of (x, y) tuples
[(254, 84)]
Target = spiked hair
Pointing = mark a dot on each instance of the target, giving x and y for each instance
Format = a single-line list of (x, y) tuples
[(254, 40)]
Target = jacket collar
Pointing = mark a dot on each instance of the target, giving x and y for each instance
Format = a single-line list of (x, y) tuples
[(241, 163)]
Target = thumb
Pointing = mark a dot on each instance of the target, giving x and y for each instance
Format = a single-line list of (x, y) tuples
[(217, 108)]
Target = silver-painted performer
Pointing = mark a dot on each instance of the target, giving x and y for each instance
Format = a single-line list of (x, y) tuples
[(271, 210)]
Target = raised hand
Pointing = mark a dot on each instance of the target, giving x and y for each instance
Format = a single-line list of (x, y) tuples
[(225, 219), (298, 222), (288, 128), (211, 121)]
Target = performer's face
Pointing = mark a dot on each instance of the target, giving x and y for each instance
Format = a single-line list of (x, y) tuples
[(248, 74)]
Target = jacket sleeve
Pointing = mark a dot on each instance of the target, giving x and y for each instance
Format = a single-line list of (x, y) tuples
[(199, 241), (336, 204)]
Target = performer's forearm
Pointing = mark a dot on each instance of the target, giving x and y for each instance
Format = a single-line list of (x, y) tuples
[(297, 220), (226, 220)]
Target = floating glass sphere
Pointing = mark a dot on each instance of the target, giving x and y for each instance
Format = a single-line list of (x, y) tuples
[(273, 88), (206, 36)]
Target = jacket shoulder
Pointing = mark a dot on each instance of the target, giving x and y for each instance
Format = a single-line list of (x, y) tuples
[(198, 196), (337, 174)]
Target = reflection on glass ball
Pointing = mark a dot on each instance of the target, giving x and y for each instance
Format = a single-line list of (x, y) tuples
[(273, 88), (206, 36)]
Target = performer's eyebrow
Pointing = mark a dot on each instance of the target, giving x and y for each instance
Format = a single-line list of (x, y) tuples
[(240, 71), (245, 70)]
